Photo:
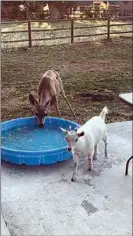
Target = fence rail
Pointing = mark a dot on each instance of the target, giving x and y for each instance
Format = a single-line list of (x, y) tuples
[(123, 18), (72, 29)]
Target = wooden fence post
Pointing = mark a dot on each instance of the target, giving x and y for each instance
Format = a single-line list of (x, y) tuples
[(108, 30), (72, 31), (29, 33)]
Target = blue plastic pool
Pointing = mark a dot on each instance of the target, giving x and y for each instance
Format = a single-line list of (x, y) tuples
[(24, 143)]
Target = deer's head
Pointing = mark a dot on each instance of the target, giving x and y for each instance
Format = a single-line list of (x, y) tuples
[(41, 111)]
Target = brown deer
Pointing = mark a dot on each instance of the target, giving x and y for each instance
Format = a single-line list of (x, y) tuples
[(49, 89)]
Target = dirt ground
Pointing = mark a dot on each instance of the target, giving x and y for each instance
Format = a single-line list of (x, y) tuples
[(93, 74)]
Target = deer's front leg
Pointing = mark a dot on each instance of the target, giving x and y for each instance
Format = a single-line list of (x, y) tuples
[(57, 106), (75, 159)]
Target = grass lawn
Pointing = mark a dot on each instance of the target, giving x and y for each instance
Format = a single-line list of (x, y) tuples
[(93, 74)]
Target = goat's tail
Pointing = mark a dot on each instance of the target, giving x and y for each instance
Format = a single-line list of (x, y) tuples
[(103, 113)]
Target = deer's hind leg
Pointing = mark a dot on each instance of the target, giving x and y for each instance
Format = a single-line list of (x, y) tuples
[(55, 103), (63, 92)]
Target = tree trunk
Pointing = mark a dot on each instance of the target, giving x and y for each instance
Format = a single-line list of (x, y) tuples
[(55, 10)]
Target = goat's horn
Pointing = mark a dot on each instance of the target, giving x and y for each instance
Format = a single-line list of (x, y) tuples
[(76, 128), (70, 128)]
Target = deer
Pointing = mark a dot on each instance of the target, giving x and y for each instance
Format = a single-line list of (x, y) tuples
[(49, 88)]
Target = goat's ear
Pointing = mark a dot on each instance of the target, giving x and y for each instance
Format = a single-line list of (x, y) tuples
[(81, 134), (64, 130), (32, 100)]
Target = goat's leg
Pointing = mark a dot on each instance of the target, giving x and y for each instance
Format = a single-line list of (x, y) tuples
[(106, 144), (95, 153), (90, 158), (106, 149), (64, 96), (75, 158), (57, 106)]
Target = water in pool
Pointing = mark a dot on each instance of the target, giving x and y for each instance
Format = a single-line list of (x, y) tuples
[(29, 138)]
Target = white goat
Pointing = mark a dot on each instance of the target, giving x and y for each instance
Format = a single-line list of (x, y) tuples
[(83, 142)]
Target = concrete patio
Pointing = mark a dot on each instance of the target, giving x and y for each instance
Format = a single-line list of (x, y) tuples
[(43, 201)]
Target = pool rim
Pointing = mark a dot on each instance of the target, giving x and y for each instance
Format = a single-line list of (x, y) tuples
[(22, 152)]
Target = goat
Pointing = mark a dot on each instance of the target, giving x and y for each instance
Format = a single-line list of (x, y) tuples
[(84, 141), (49, 89)]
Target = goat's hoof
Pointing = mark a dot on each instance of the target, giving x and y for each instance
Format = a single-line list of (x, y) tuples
[(73, 179), (89, 169), (95, 158)]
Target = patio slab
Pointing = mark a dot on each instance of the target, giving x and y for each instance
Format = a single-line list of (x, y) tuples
[(4, 229), (43, 201), (127, 97)]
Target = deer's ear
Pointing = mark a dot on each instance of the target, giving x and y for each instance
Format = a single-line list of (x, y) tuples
[(81, 134), (32, 100), (47, 103)]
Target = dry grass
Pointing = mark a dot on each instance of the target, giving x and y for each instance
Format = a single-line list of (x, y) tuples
[(93, 75)]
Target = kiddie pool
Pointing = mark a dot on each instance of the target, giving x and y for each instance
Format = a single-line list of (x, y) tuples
[(46, 156)]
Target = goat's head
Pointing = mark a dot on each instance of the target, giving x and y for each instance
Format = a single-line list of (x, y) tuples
[(41, 111), (72, 137)]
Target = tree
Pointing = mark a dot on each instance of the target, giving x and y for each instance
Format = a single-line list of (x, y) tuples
[(10, 9), (55, 9)]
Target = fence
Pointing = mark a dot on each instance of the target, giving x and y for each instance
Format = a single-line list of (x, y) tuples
[(29, 31)]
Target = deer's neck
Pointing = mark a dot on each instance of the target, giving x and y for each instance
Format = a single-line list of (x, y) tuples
[(44, 98)]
